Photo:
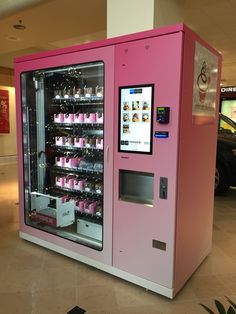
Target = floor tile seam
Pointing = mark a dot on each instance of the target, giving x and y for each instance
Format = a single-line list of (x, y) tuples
[(219, 281), (228, 287)]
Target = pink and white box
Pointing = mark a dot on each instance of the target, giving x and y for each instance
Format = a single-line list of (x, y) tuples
[(71, 162), (99, 117), (59, 117), (60, 161), (79, 159), (99, 143), (60, 181), (60, 140), (76, 207), (70, 182), (90, 117), (79, 142), (90, 208), (81, 205), (66, 199), (69, 118), (79, 117), (79, 184)]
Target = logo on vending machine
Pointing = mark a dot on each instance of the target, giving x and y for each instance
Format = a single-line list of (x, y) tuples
[(203, 81)]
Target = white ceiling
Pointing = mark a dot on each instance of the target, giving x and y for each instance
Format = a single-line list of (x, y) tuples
[(58, 23)]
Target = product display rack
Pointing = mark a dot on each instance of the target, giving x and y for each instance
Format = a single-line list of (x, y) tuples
[(64, 151)]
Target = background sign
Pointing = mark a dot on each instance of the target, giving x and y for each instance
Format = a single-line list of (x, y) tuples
[(4, 112), (205, 82)]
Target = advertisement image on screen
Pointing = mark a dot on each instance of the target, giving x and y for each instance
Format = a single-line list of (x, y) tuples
[(228, 108), (135, 119)]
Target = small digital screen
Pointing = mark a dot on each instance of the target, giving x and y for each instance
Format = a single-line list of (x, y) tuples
[(135, 119)]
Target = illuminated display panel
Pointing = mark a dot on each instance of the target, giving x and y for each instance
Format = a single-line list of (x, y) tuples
[(228, 108), (135, 119)]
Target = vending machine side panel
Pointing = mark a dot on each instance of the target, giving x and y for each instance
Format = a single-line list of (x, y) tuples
[(197, 153), (145, 175)]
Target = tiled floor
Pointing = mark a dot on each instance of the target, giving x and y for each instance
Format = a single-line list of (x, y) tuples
[(35, 280)]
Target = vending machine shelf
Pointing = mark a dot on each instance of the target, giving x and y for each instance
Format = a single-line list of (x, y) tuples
[(78, 100), (78, 192)]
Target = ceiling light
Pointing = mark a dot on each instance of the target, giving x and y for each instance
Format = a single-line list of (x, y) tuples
[(12, 38), (223, 82), (19, 26)]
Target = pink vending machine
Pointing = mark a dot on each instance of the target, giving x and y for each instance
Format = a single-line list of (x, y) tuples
[(116, 143)]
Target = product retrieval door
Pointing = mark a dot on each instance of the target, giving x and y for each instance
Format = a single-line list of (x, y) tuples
[(67, 150)]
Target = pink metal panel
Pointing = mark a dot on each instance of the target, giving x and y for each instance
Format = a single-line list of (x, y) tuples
[(107, 42), (196, 173), (105, 54), (153, 60)]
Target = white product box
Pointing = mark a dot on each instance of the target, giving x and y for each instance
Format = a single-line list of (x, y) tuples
[(89, 229)]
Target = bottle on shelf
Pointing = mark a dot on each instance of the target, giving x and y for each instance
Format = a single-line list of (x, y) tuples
[(88, 91), (98, 187), (99, 91), (89, 186), (99, 210)]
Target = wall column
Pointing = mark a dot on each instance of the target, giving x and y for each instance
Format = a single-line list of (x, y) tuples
[(131, 16)]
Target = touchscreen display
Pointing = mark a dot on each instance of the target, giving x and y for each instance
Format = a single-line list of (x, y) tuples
[(135, 117)]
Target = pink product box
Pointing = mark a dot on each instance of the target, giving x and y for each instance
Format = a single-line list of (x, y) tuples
[(59, 117), (99, 143), (70, 182), (69, 118), (79, 142), (66, 199), (71, 162), (79, 184), (79, 159), (90, 117), (80, 205), (60, 140), (60, 161), (76, 206), (68, 141), (79, 117), (99, 117), (60, 181), (90, 208)]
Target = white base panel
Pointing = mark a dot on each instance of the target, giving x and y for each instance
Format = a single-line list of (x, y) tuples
[(149, 285)]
